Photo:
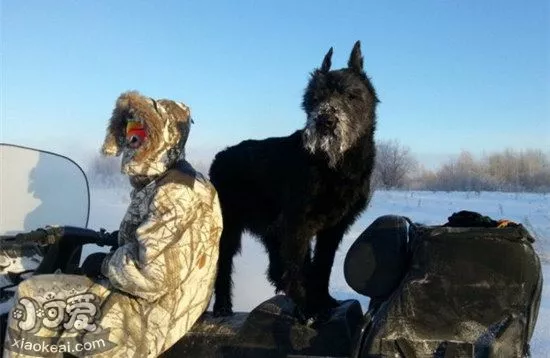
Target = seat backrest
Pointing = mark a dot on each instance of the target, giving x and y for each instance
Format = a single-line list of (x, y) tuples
[(378, 259), (474, 291)]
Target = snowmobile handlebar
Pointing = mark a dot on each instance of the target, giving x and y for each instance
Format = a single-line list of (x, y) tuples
[(38, 236), (88, 236), (51, 235)]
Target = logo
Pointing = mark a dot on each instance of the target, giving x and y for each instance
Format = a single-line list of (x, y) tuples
[(75, 316)]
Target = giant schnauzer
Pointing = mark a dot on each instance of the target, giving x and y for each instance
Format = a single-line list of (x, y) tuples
[(313, 183)]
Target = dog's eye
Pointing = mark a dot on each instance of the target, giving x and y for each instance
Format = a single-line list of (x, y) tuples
[(353, 95)]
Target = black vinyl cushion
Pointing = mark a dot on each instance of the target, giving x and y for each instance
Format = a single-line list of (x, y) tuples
[(477, 287), (378, 259)]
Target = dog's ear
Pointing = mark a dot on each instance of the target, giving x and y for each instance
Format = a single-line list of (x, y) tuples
[(327, 61), (356, 58)]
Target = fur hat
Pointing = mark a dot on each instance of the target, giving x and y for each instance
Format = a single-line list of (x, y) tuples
[(166, 126)]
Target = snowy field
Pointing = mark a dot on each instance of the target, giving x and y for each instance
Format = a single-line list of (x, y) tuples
[(251, 287)]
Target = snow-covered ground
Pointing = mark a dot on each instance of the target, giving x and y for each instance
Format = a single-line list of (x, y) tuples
[(251, 286)]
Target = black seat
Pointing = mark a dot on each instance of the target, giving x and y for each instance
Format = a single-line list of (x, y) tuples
[(378, 259)]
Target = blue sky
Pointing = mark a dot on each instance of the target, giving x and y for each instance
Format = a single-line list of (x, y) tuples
[(451, 75)]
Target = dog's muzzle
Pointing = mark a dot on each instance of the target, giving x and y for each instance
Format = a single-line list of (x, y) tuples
[(325, 123)]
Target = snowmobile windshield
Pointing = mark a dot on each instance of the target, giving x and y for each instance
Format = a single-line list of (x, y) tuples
[(40, 188)]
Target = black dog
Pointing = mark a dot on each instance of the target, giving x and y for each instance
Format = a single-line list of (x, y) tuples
[(313, 183)]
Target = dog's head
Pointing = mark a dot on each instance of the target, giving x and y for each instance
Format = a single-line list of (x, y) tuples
[(340, 107)]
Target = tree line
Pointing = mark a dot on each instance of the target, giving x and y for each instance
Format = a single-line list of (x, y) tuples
[(396, 167), (509, 170)]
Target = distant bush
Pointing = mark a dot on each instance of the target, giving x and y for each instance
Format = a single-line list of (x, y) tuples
[(521, 171)]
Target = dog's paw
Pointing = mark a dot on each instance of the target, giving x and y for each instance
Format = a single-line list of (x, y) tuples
[(223, 308), (301, 316), (312, 318), (318, 302), (294, 288), (223, 312), (278, 290), (319, 318), (330, 303)]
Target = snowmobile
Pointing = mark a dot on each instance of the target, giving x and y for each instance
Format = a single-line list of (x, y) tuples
[(466, 290)]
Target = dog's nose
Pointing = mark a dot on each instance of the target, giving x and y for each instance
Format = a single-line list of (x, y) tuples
[(326, 121)]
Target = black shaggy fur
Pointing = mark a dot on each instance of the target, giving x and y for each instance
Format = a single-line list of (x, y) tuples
[(313, 183)]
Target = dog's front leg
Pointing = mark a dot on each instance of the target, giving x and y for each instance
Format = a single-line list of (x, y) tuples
[(327, 243), (294, 252)]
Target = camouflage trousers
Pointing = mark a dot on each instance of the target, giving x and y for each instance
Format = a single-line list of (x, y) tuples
[(57, 314)]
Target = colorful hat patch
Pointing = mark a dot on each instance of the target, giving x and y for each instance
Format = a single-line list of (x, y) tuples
[(135, 134)]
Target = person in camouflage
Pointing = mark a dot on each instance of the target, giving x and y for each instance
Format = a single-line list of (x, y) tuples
[(160, 279)]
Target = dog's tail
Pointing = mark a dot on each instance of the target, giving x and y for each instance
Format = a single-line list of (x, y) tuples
[(228, 166), (215, 171), (222, 174)]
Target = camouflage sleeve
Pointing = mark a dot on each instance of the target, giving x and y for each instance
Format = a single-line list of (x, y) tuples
[(140, 267)]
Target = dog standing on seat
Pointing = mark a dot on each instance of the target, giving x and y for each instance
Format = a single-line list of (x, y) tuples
[(311, 184)]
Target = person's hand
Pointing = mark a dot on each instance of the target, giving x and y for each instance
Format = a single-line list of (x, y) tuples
[(108, 239), (91, 267), (113, 238)]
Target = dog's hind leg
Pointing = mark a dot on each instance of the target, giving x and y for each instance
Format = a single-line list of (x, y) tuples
[(276, 268), (230, 244)]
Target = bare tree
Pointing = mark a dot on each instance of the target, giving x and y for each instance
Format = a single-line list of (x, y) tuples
[(508, 170), (527, 170), (394, 164)]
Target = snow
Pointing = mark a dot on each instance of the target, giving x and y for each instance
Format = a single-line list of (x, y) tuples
[(16, 264), (251, 287)]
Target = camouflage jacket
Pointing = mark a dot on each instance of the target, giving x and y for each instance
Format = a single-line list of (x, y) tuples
[(160, 278)]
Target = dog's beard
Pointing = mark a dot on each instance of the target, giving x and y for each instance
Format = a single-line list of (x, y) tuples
[(333, 143)]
